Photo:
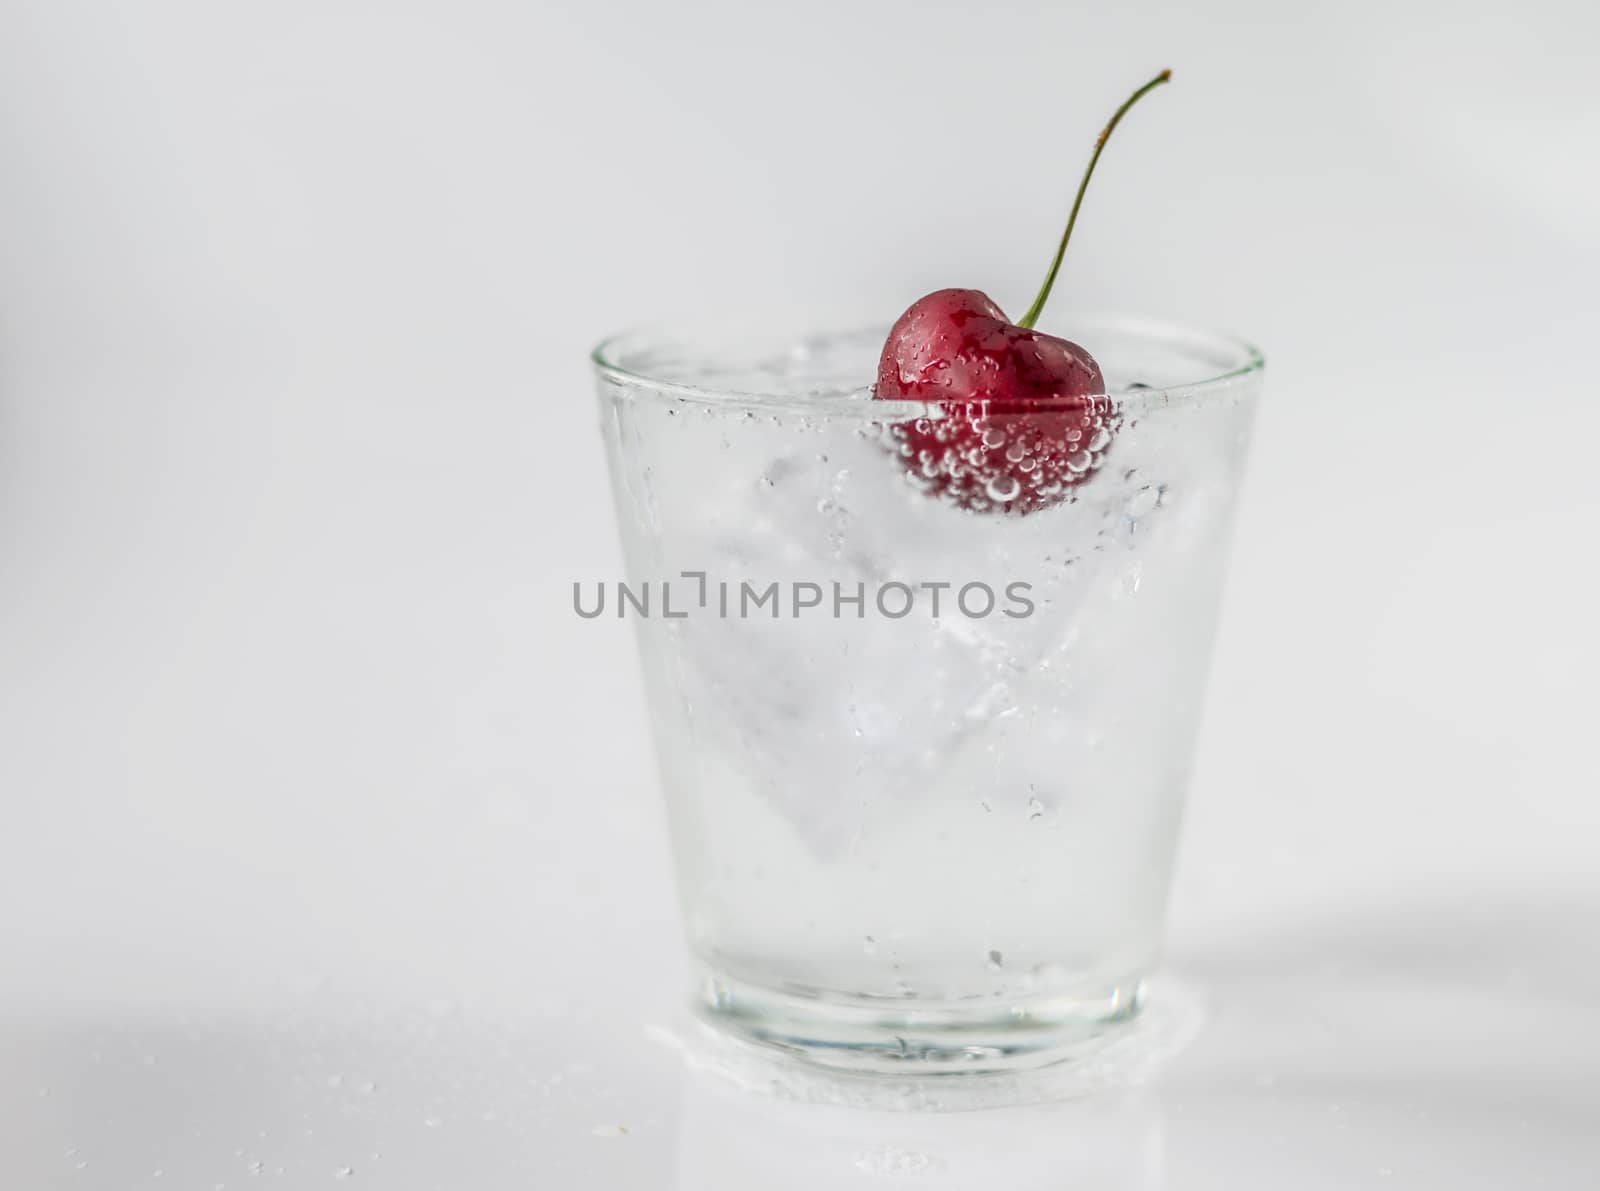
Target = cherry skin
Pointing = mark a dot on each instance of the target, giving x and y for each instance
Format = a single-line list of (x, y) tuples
[(1024, 419)]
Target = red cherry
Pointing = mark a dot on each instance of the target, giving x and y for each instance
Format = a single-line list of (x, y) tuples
[(1023, 417), (1023, 420)]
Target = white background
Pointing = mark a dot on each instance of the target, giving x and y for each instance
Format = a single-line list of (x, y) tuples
[(298, 463)]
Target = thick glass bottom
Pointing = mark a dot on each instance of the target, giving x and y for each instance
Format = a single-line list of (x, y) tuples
[(903, 1037)]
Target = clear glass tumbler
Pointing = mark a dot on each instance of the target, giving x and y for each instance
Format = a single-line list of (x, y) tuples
[(924, 755)]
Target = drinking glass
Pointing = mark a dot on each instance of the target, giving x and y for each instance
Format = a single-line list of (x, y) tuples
[(924, 749)]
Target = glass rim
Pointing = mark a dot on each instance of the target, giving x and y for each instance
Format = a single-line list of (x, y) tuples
[(1244, 359)]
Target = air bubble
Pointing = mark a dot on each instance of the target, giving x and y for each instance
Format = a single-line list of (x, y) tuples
[(1002, 488), (1143, 502), (1079, 461)]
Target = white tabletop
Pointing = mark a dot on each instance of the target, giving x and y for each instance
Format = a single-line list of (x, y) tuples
[(1449, 1050)]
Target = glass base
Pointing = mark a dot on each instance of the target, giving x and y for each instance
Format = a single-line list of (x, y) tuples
[(865, 1035)]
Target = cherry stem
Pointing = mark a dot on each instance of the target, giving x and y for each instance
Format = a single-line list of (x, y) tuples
[(1028, 319)]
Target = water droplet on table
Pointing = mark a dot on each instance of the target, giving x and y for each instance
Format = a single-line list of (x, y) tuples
[(892, 1160)]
